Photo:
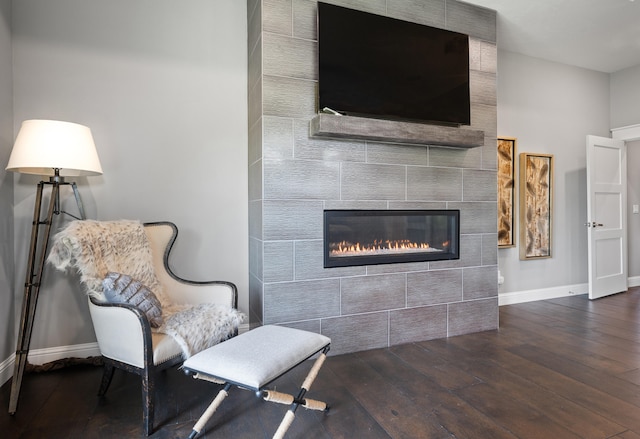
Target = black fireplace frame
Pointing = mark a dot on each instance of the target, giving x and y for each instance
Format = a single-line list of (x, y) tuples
[(452, 253)]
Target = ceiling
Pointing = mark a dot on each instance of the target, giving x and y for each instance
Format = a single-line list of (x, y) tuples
[(602, 35)]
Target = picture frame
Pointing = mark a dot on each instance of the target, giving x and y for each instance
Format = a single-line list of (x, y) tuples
[(536, 205), (506, 191)]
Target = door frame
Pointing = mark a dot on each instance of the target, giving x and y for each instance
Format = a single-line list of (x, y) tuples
[(628, 133)]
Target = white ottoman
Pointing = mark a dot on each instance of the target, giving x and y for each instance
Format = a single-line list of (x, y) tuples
[(256, 358)]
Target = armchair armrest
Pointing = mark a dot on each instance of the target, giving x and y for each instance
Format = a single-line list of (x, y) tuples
[(123, 332)]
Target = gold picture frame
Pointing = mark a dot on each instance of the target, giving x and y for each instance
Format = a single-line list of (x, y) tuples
[(536, 205), (506, 191)]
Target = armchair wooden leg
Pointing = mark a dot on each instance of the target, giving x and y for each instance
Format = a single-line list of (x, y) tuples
[(107, 375), (148, 398)]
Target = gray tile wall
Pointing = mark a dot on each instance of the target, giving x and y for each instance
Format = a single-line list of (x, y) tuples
[(293, 178)]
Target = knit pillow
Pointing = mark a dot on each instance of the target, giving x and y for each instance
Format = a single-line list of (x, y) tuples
[(121, 288)]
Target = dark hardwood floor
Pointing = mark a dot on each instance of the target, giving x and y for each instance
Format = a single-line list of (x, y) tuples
[(562, 368)]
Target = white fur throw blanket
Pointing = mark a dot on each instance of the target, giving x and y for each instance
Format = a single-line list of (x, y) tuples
[(95, 248)]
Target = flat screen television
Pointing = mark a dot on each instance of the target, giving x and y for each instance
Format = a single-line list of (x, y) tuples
[(375, 66)]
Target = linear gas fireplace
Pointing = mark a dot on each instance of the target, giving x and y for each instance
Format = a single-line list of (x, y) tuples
[(368, 237)]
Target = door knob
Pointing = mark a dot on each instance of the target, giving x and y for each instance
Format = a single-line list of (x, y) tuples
[(593, 224)]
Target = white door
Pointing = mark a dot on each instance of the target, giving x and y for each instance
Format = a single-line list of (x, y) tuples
[(606, 216)]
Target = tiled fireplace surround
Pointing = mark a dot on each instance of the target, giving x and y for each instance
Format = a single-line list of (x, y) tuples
[(294, 177)]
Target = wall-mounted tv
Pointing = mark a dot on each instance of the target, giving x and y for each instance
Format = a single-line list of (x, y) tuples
[(375, 66)]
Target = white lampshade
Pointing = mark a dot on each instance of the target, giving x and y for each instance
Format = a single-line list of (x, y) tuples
[(42, 146)]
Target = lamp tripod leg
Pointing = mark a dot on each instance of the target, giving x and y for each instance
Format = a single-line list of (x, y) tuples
[(31, 291), (76, 194)]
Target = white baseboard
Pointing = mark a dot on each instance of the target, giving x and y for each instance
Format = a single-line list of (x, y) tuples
[(47, 355), (634, 281), (512, 298), (6, 369)]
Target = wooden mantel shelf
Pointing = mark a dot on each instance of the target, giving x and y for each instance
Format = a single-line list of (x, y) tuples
[(379, 130)]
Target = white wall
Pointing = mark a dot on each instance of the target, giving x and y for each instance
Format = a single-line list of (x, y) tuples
[(7, 278), (551, 108), (162, 85), (625, 97)]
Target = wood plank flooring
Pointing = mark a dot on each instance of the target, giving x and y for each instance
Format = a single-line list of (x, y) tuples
[(561, 368)]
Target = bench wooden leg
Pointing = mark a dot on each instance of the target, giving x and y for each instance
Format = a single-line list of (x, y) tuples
[(222, 394), (300, 400)]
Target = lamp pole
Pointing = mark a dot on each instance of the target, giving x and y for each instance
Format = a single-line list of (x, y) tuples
[(33, 279)]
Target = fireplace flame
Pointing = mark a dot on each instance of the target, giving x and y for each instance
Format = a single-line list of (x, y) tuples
[(345, 248)]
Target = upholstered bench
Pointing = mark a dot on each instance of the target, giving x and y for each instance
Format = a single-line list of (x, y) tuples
[(253, 360)]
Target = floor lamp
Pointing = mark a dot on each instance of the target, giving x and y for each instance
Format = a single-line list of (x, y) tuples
[(58, 150)]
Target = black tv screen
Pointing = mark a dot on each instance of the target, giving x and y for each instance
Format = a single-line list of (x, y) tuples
[(375, 66)]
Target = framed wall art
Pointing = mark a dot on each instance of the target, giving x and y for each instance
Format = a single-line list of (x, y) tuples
[(536, 205), (506, 191)]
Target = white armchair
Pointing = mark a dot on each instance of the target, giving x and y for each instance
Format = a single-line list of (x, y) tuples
[(123, 331)]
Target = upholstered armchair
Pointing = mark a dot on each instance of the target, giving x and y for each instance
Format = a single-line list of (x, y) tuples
[(194, 315)]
